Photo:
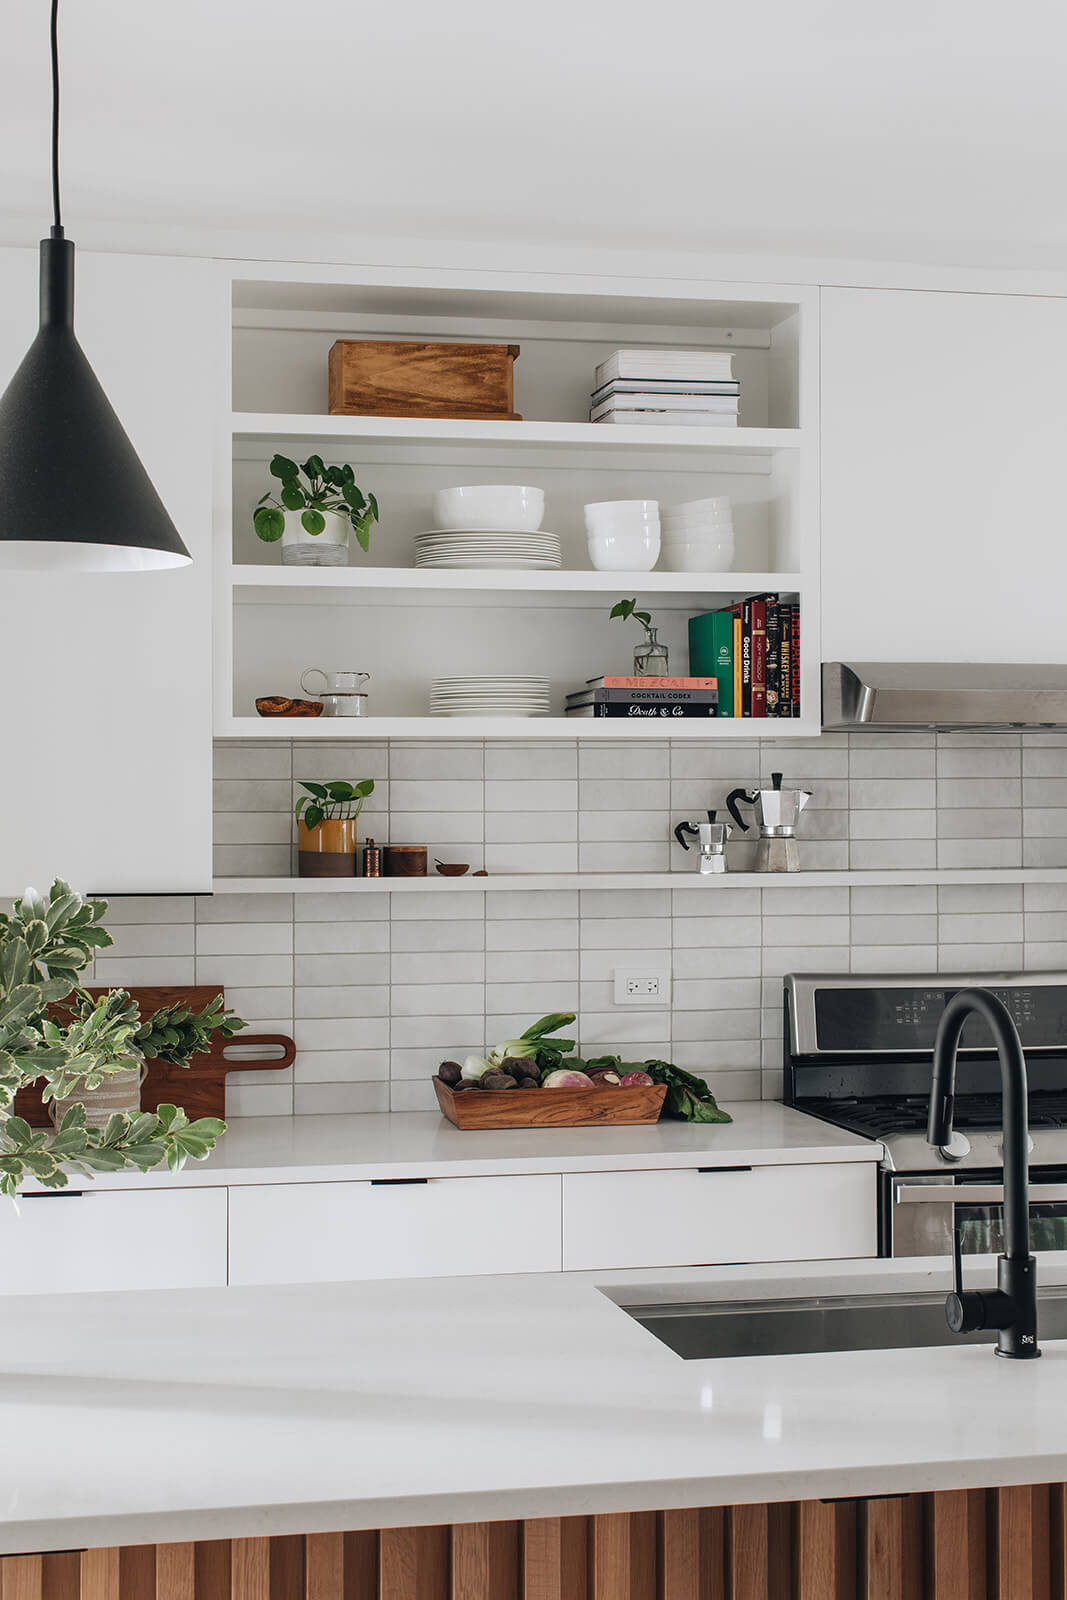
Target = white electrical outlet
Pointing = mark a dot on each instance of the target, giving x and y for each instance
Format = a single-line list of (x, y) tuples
[(647, 986)]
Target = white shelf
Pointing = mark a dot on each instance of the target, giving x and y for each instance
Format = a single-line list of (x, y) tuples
[(337, 730), (691, 879), (355, 578), (269, 428)]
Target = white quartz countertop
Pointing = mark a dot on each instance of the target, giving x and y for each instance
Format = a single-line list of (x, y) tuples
[(419, 1144), (241, 1412)]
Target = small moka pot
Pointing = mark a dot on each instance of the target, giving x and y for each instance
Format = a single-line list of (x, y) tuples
[(711, 837)]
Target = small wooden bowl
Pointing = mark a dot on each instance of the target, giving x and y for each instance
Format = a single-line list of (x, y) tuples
[(278, 705), (452, 869)]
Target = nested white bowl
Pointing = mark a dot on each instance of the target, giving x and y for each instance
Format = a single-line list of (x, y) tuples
[(713, 505), (519, 508), (624, 550), (615, 515), (699, 555)]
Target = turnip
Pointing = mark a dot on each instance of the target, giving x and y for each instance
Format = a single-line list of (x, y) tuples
[(633, 1080), (567, 1078)]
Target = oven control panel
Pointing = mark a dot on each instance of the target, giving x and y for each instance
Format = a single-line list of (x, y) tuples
[(876, 1018)]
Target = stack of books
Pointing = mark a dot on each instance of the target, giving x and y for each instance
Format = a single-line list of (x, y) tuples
[(645, 697), (672, 387), (753, 651)]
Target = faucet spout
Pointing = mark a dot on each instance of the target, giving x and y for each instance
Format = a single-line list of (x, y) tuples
[(1012, 1307)]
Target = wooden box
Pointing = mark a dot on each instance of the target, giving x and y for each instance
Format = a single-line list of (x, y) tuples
[(551, 1108), (393, 378)]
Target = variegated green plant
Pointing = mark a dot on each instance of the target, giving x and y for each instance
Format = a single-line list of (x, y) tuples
[(43, 944)]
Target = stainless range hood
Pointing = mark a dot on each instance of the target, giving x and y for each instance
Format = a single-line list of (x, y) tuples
[(906, 696)]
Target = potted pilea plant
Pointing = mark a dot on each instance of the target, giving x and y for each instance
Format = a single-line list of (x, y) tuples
[(53, 1033), (650, 657), (314, 511), (326, 819)]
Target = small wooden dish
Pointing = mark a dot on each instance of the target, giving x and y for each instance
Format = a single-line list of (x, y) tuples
[(550, 1108), (452, 869), (278, 705)]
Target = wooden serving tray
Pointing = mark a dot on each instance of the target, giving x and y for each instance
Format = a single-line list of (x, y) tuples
[(201, 1086), (551, 1108)]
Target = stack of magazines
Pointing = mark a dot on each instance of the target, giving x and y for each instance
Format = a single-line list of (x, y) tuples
[(637, 698), (672, 387)]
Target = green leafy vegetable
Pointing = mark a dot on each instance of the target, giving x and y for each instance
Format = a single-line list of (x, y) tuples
[(688, 1096)]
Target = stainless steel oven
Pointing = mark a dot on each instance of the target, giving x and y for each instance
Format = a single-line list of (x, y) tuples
[(921, 1207), (859, 1054)]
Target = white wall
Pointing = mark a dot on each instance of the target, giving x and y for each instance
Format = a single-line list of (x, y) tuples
[(105, 758)]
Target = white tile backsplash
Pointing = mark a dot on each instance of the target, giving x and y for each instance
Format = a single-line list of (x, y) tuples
[(379, 987)]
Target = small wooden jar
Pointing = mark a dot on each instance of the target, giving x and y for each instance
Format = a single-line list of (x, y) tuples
[(405, 860), (328, 850)]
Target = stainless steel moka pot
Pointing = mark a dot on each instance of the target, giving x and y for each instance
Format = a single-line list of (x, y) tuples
[(778, 812), (711, 837)]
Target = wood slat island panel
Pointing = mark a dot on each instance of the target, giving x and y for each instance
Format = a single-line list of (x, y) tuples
[(979, 1544)]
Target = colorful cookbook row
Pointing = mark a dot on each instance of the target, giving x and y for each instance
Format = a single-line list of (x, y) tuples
[(752, 651)]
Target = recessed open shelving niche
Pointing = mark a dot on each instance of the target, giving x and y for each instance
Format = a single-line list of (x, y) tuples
[(407, 626)]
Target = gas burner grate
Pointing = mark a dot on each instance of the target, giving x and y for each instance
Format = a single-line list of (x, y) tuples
[(878, 1117)]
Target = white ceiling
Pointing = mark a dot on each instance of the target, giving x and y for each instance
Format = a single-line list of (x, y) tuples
[(924, 131)]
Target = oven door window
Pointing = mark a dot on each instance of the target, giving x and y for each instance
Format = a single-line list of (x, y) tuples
[(923, 1210), (982, 1228)]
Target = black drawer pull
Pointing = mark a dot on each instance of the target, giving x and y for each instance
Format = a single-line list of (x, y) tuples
[(54, 1194), (724, 1169), (393, 1183)]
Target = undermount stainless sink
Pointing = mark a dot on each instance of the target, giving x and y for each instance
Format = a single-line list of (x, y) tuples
[(702, 1330)]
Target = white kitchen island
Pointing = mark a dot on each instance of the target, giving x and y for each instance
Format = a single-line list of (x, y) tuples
[(252, 1414)]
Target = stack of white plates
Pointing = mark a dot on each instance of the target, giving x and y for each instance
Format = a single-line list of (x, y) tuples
[(487, 547), (490, 696)]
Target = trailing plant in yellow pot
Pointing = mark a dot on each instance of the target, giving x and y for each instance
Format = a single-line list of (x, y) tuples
[(326, 818)]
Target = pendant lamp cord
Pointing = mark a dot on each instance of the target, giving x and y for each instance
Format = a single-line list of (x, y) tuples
[(57, 222)]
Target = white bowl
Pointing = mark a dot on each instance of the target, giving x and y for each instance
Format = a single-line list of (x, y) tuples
[(638, 517), (693, 535), (695, 524), (615, 507), (717, 530), (714, 505), (516, 507), (624, 550), (699, 555)]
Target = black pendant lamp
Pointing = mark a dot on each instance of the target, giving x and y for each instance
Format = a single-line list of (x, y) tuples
[(73, 493)]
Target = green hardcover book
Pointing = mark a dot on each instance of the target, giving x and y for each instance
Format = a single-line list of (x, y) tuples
[(711, 654)]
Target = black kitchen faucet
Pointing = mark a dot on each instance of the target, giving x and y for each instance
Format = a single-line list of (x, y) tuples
[(1011, 1307)]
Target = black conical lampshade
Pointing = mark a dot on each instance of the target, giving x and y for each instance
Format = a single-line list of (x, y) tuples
[(73, 493)]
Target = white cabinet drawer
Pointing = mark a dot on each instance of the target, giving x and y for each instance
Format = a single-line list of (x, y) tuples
[(702, 1216), (436, 1227), (113, 1239)]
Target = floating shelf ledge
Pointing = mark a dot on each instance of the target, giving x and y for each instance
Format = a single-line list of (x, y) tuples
[(436, 730), (511, 881), (252, 576), (272, 428)]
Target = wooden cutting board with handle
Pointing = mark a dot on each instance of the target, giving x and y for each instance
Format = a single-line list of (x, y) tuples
[(201, 1086)]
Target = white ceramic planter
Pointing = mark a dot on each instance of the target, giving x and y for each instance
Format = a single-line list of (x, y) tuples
[(326, 549), (120, 1091)]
